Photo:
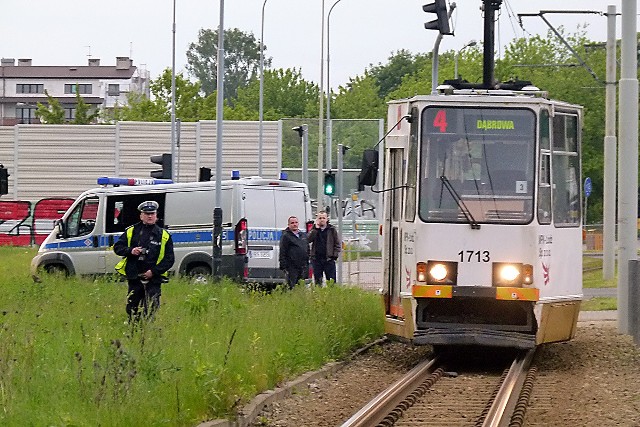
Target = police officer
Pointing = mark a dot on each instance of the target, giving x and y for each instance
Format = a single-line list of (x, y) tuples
[(148, 254)]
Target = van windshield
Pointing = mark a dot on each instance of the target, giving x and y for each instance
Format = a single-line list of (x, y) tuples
[(487, 155)]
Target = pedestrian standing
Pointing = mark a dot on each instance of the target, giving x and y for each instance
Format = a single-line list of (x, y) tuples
[(294, 252), (325, 248), (147, 251)]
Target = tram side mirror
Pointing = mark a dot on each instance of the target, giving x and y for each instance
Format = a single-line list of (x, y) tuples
[(369, 170)]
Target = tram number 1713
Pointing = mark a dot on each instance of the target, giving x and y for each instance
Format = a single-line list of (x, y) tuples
[(474, 256)]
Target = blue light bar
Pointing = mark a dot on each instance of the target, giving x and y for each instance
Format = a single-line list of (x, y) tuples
[(132, 181), (284, 176), (235, 174)]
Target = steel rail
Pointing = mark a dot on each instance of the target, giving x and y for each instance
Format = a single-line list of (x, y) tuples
[(377, 409), (509, 391)]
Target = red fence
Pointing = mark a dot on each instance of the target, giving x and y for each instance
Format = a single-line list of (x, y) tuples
[(19, 227)]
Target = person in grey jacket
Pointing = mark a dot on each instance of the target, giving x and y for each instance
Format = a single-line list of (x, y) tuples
[(325, 248), (294, 252)]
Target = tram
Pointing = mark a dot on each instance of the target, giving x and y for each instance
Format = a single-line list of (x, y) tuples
[(482, 218), (481, 222)]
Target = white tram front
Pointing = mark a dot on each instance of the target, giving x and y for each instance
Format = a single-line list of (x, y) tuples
[(482, 219)]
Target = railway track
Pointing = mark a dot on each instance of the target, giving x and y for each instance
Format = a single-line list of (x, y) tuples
[(445, 392)]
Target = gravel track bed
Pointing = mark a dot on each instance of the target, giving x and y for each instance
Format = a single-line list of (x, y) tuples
[(593, 380)]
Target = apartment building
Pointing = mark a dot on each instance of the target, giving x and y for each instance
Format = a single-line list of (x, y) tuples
[(23, 85)]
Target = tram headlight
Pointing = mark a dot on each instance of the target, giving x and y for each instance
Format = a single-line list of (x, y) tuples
[(441, 273), (511, 274)]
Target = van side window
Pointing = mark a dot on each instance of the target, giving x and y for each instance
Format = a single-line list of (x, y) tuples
[(122, 210), (83, 218)]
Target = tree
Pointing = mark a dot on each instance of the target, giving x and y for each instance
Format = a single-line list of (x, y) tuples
[(189, 102), (241, 60), (359, 100), (83, 116), (400, 64), (286, 94), (52, 113)]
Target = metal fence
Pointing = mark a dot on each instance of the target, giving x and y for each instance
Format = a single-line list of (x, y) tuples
[(361, 268)]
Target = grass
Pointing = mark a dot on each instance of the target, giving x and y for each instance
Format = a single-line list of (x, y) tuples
[(599, 303), (592, 278), (67, 356), (592, 275)]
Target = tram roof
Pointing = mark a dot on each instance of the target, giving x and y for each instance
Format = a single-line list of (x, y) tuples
[(449, 95)]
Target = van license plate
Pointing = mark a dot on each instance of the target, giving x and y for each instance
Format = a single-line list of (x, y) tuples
[(261, 254)]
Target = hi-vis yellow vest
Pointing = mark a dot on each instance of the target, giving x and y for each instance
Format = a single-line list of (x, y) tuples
[(123, 262)]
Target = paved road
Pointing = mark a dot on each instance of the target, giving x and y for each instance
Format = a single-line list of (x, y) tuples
[(600, 292)]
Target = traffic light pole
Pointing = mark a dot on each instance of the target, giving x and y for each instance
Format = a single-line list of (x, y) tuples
[(341, 150), (434, 54)]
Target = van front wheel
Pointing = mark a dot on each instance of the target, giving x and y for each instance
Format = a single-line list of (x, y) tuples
[(199, 274), (56, 269)]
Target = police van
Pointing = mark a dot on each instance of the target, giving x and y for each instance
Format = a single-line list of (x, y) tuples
[(255, 211)]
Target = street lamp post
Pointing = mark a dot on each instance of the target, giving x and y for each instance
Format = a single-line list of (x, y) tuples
[(455, 61), (329, 127), (261, 91), (173, 96), (320, 126), (217, 210)]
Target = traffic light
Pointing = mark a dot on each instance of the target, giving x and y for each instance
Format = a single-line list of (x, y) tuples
[(163, 160), (4, 180), (441, 23), (205, 174), (329, 183)]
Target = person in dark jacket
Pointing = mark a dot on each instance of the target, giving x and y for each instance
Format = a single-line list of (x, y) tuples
[(325, 248), (148, 255), (294, 252)]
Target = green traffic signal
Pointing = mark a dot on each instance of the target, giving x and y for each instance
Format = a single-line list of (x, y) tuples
[(329, 184)]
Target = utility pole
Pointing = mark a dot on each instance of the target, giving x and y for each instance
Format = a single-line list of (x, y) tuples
[(217, 210), (610, 149), (628, 163)]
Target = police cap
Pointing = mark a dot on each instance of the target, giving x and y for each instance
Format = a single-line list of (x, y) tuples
[(149, 206)]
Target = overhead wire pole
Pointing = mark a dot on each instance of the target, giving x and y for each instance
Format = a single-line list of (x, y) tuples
[(217, 211), (173, 96), (261, 107), (628, 164)]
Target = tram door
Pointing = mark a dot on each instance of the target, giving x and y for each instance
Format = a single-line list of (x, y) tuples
[(394, 212)]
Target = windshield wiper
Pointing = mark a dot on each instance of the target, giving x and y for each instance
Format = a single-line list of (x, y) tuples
[(465, 210)]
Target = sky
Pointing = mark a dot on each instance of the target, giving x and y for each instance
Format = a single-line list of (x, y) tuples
[(361, 32)]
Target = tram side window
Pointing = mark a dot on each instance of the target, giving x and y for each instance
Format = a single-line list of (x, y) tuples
[(412, 168), (566, 172), (397, 165), (83, 218), (544, 175)]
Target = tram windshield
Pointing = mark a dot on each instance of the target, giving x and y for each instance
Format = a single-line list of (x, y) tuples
[(477, 165)]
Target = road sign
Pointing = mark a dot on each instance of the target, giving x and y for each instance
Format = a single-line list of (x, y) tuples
[(587, 187)]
